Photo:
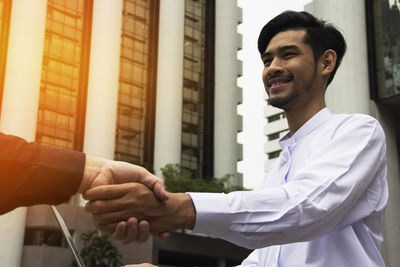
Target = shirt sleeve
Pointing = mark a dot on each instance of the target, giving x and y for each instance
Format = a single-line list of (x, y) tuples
[(32, 173), (341, 183)]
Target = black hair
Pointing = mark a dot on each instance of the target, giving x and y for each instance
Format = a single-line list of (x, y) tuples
[(320, 35)]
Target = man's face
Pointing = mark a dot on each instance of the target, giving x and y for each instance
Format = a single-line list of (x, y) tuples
[(289, 70)]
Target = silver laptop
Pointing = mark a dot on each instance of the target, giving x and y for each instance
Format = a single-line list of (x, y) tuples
[(68, 237)]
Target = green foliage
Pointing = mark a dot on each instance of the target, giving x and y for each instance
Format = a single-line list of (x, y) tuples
[(178, 179), (98, 251)]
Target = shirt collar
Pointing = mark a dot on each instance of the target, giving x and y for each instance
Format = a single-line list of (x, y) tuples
[(315, 121)]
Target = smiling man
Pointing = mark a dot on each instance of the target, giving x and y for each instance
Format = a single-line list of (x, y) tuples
[(321, 203)]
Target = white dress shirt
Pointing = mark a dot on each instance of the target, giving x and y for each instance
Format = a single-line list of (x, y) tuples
[(321, 203)]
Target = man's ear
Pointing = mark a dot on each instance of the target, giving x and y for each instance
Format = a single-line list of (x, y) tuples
[(328, 62)]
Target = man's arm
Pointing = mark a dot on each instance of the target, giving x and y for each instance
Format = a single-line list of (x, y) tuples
[(338, 185)]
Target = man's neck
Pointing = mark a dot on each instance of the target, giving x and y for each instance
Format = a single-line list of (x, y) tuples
[(298, 117)]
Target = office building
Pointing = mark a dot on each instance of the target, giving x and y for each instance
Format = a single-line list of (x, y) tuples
[(150, 82)]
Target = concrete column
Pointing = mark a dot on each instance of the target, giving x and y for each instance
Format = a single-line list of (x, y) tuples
[(101, 110), (349, 90), (20, 104), (168, 128), (226, 92)]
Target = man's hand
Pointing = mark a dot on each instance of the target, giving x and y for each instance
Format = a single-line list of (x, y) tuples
[(107, 172), (115, 203)]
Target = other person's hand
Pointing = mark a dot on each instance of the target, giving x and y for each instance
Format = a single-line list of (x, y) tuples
[(100, 171), (105, 172)]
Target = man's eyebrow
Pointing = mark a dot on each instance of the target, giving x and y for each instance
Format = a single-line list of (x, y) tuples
[(280, 50)]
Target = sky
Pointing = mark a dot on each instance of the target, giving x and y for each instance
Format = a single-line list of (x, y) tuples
[(256, 13)]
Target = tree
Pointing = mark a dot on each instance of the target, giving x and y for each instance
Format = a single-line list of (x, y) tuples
[(98, 251), (178, 179)]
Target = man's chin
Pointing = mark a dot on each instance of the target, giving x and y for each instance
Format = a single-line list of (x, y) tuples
[(283, 102), (280, 102)]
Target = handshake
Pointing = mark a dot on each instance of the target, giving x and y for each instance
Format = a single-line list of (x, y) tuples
[(130, 203)]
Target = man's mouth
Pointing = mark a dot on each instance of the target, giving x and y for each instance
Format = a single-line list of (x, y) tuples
[(277, 82)]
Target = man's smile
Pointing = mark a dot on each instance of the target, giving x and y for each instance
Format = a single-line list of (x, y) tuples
[(278, 82)]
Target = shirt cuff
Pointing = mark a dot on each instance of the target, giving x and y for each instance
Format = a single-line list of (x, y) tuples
[(211, 213)]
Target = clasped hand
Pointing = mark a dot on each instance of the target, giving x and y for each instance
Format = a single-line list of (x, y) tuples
[(106, 184), (126, 210)]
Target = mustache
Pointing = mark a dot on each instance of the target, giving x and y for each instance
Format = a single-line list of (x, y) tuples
[(279, 75)]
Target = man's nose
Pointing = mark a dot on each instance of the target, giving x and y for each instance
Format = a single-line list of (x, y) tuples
[(275, 67)]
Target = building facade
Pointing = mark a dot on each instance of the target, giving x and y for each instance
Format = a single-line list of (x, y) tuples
[(367, 82), (149, 82)]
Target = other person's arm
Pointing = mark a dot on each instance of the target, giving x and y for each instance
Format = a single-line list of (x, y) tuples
[(32, 173)]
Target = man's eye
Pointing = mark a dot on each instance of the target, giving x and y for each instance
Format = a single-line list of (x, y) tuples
[(289, 55), (267, 63)]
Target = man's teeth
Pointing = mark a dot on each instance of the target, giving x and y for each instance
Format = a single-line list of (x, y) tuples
[(277, 83)]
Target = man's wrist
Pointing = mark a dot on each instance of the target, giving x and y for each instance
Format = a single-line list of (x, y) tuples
[(184, 214), (92, 168)]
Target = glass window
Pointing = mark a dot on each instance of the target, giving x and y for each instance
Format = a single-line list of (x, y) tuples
[(59, 90), (134, 97), (1, 11), (193, 91), (2, 2), (276, 117), (274, 154), (273, 136), (386, 21), (44, 237)]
